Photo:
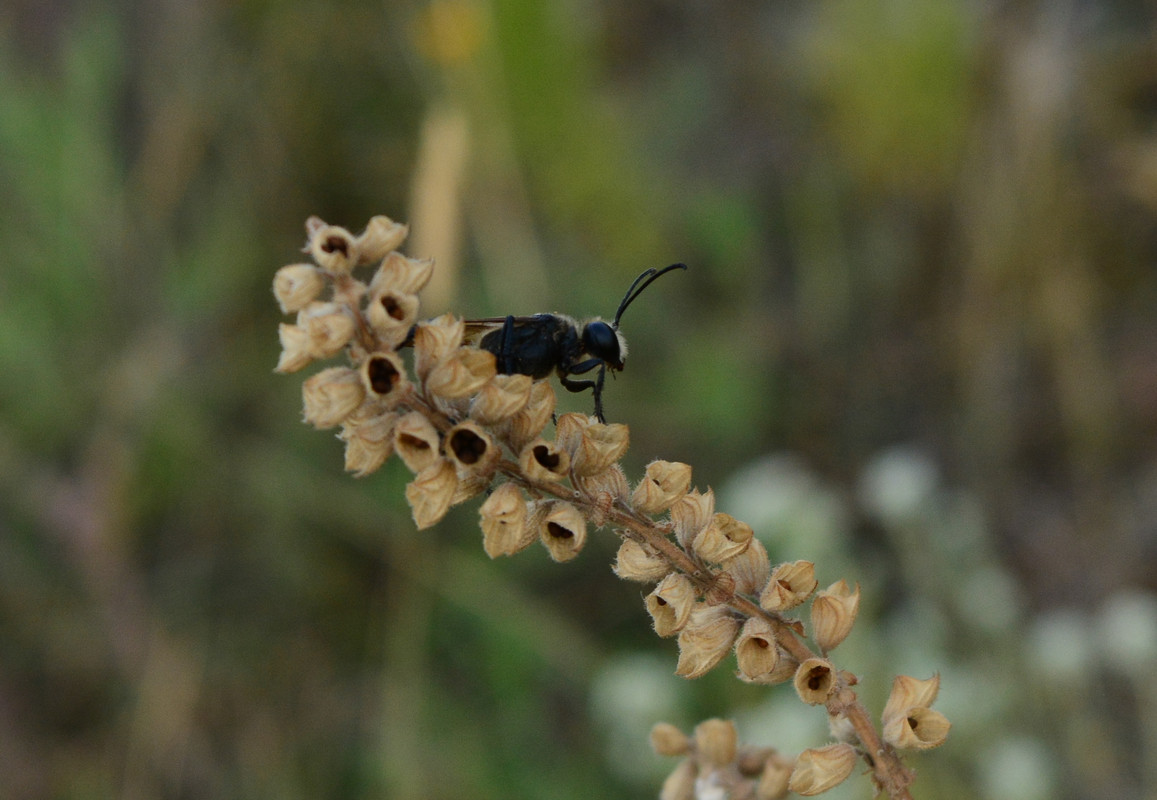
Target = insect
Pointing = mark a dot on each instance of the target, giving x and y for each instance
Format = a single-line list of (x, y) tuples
[(543, 343)]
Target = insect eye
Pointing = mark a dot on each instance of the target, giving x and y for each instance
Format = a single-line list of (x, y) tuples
[(599, 340)]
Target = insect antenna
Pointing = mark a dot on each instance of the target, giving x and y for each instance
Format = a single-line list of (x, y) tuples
[(646, 279)]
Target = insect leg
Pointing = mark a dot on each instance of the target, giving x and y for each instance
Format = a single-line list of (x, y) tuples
[(598, 393)]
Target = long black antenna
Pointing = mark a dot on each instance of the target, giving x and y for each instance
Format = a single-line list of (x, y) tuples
[(646, 279)]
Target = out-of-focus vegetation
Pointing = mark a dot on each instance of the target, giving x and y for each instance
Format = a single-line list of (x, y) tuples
[(918, 345)]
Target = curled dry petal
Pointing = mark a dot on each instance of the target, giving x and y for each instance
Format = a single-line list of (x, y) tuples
[(600, 446), (528, 423), (368, 442), (563, 530), (705, 640), (724, 538), (501, 399), (670, 604), (833, 614), (637, 562), (331, 247), (472, 449), (755, 650), (821, 768), (716, 741), (331, 395), (381, 236), (462, 373), (384, 376), (504, 522), (416, 441), (908, 692), (431, 492), (667, 740), (295, 352), (392, 314), (434, 341), (297, 285), (790, 584), (542, 461), (750, 569), (815, 680), (920, 728), (691, 513), (663, 483)]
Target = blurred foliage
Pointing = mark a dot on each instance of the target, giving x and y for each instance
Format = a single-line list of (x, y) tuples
[(921, 246)]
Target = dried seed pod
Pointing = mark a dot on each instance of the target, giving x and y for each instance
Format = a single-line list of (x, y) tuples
[(784, 670), (563, 531), (431, 491), (381, 236), (434, 341), (670, 604), (705, 640), (504, 522), (384, 376), (724, 538), (328, 327), (920, 728), (908, 692), (528, 423), (663, 483), (295, 352), (568, 430), (773, 781), (637, 562), (790, 584), (368, 442), (600, 445), (750, 760), (331, 395), (833, 614), (606, 486), (543, 462), (667, 740), (470, 485), (331, 247), (416, 441), (750, 569), (392, 315), (691, 513), (821, 768), (402, 274), (461, 374), (716, 741), (755, 649), (815, 680), (680, 784), (472, 449), (297, 285), (501, 399)]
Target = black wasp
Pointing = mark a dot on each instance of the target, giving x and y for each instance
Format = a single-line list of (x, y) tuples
[(545, 343)]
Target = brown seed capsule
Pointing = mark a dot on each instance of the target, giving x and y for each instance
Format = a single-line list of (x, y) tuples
[(599, 447), (750, 569), (705, 640), (637, 562), (416, 441), (331, 247), (431, 491), (667, 740), (774, 779), (790, 584), (528, 423), (501, 399), (543, 462), (833, 614), (716, 741), (563, 531), (331, 395), (815, 680), (670, 604), (472, 449), (724, 538), (568, 430), (663, 483), (908, 692), (381, 236), (384, 376), (461, 374), (434, 341), (328, 327), (920, 728), (402, 274), (691, 513), (605, 487), (680, 784), (297, 285), (294, 348), (755, 649), (821, 768), (368, 442), (504, 522), (392, 315)]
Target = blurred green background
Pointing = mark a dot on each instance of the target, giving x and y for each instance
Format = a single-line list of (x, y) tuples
[(917, 345)]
